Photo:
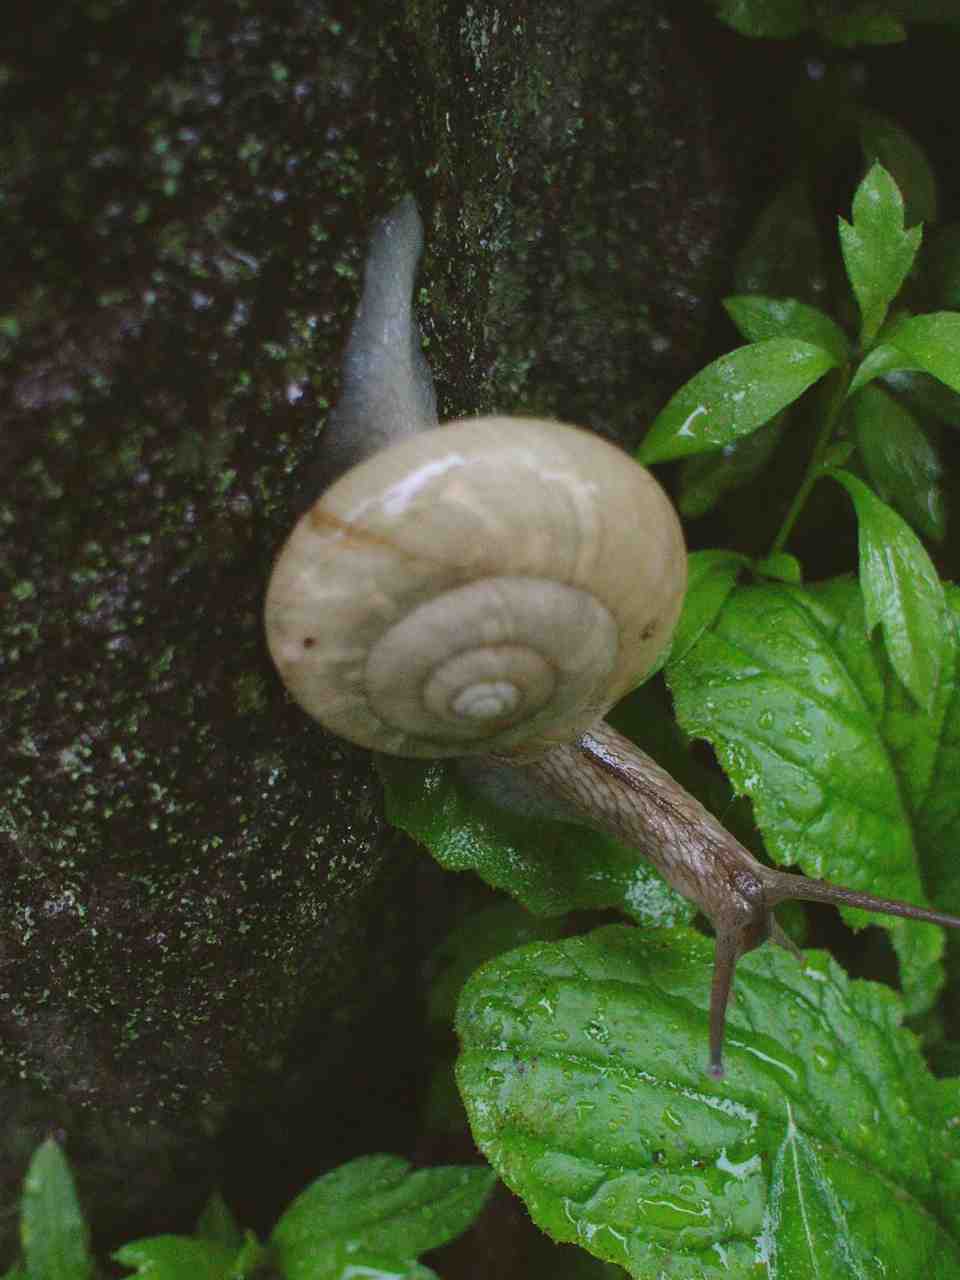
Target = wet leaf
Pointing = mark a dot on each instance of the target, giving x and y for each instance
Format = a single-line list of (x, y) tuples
[(759, 317), (782, 566), (378, 1207), (926, 395), (902, 464), (172, 1257), (796, 702), (886, 142), (549, 866), (931, 343), (706, 477), (582, 1068), (53, 1230), (863, 24), (877, 251), (711, 577), (807, 1225), (783, 253), (901, 591), (733, 396), (774, 19)]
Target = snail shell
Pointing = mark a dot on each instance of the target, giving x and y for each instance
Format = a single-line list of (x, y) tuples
[(488, 586)]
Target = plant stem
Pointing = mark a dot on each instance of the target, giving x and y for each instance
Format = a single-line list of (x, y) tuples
[(836, 399)]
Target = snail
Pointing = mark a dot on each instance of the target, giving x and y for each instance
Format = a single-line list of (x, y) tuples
[(487, 590)]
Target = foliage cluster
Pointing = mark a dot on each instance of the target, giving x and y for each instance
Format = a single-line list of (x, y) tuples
[(832, 706), (370, 1218)]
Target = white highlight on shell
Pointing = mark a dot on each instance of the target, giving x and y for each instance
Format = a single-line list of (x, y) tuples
[(488, 701)]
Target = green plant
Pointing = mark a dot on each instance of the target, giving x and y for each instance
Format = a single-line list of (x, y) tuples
[(832, 707), (869, 22), (370, 1218)]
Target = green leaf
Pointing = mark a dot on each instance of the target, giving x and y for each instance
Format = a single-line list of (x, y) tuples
[(478, 938), (781, 566), (582, 1068), (902, 464), (250, 1259), (794, 699), (783, 253), (376, 1205), (711, 577), (773, 19), (932, 343), (806, 1218), (53, 1232), (877, 251), (759, 317), (837, 454), (901, 591), (216, 1222), (178, 1258), (926, 751), (361, 1265), (886, 142), (926, 395), (884, 359), (706, 477), (733, 396), (861, 25), (549, 866)]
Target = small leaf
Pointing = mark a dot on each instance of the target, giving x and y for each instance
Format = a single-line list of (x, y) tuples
[(354, 1264), (862, 25), (478, 938), (711, 577), (706, 477), (548, 865), (901, 591), (773, 19), (882, 360), (783, 253), (932, 343), (887, 142), (178, 1258), (877, 251), (733, 396), (250, 1259), (902, 464), (377, 1205), (782, 567), (216, 1222), (759, 317), (53, 1232), (926, 395), (582, 1068), (837, 453)]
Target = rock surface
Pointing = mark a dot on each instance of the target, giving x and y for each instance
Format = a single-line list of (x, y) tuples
[(190, 873)]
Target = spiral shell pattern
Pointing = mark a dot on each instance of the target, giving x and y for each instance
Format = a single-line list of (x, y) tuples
[(489, 586)]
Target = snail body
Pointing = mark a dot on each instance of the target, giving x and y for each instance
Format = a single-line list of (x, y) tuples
[(487, 590)]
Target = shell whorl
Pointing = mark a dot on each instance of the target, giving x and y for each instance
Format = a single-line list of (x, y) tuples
[(492, 585)]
